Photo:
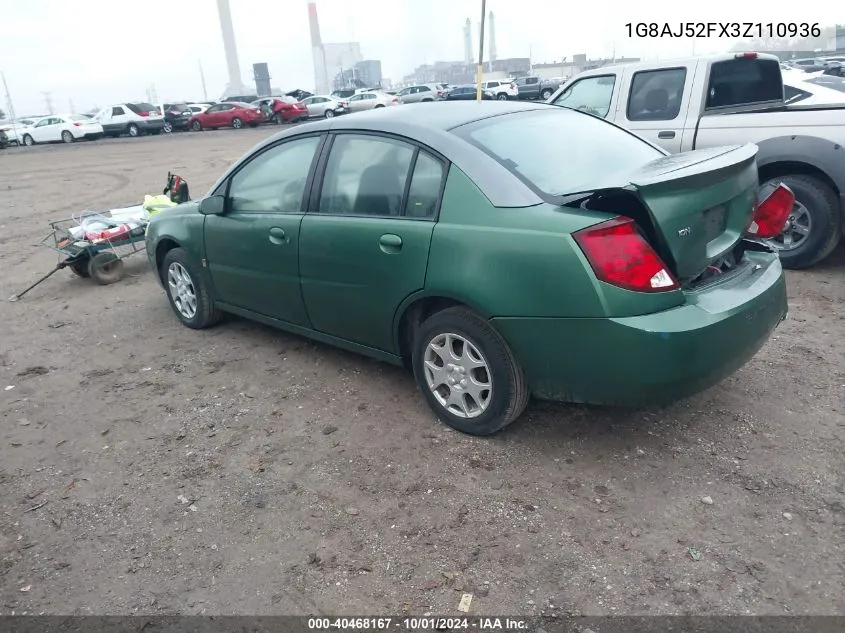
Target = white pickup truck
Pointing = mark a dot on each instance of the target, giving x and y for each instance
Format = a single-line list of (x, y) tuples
[(732, 99)]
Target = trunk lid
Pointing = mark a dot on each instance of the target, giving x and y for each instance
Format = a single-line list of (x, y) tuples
[(699, 204)]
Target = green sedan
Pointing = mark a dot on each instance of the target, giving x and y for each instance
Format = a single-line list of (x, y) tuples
[(498, 249)]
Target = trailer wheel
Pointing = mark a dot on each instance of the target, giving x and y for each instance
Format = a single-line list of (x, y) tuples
[(80, 268), (106, 268), (813, 228)]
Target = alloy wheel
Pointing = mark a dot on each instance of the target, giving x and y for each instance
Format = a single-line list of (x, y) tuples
[(182, 290), (458, 375), (795, 231)]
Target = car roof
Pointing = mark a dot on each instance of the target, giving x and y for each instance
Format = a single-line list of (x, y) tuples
[(433, 129)]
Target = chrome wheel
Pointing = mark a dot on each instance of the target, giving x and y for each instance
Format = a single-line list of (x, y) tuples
[(329, 114), (237, 123), (795, 231), (182, 290), (168, 127), (458, 375)]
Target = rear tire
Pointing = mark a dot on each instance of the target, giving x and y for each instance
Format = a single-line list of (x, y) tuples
[(502, 96), (67, 137), (80, 268), (178, 268), (168, 127), (329, 114), (507, 395), (133, 130), (196, 126), (277, 119), (546, 94), (825, 221)]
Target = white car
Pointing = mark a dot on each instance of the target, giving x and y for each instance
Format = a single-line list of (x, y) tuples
[(133, 119), (802, 88), (65, 128), (371, 100), (197, 108), (325, 106), (503, 89), (14, 129)]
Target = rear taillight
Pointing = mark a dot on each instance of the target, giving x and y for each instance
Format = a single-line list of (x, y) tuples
[(143, 114), (513, 86), (78, 124), (771, 214), (620, 256), (395, 99)]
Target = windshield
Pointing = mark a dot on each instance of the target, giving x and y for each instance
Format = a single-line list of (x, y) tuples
[(559, 151)]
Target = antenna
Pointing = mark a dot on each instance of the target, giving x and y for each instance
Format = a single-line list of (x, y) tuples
[(48, 101)]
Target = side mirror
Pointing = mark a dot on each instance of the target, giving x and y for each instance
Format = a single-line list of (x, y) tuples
[(213, 205)]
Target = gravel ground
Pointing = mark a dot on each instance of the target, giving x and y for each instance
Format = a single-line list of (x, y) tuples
[(147, 468)]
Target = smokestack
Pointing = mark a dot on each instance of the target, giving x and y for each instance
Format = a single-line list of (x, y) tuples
[(492, 41), (318, 52), (236, 84), (468, 42)]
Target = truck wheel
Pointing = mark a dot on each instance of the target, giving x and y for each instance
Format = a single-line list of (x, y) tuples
[(546, 94), (812, 230)]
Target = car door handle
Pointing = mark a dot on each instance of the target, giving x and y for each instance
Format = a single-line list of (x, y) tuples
[(390, 243), (278, 235), (666, 134)]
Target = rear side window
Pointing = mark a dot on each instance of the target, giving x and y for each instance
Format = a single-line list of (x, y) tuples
[(557, 151), (656, 94), (744, 81)]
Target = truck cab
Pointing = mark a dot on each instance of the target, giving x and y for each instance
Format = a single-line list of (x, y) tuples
[(719, 100)]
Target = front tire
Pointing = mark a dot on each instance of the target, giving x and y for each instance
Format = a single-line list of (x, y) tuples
[(196, 126), (502, 96), (168, 127), (546, 94), (133, 130), (814, 226), (28, 140), (187, 291), (277, 119), (329, 114), (467, 373), (237, 123)]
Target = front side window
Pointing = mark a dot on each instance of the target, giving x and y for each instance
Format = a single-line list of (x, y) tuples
[(365, 176), (591, 95), (559, 152), (274, 181)]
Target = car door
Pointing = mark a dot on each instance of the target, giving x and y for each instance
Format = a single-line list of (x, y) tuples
[(363, 246), (41, 130), (356, 103), (656, 104), (252, 249)]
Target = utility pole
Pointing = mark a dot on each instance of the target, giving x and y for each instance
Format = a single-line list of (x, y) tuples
[(479, 71), (48, 101), (8, 97), (202, 80)]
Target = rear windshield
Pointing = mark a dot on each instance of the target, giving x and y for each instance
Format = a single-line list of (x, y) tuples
[(744, 81), (559, 151), (141, 107)]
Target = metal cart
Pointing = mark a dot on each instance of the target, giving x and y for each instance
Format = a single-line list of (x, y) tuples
[(100, 258)]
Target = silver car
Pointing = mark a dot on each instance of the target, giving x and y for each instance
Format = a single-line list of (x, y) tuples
[(320, 106), (370, 100), (420, 93)]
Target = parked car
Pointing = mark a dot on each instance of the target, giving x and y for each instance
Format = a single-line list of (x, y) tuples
[(703, 102), (502, 89), (14, 129), (219, 115), (319, 106), (62, 128), (132, 119), (634, 308), (199, 107), (798, 88), (282, 109), (299, 94), (533, 87), (238, 99), (371, 100), (420, 93), (4, 139), (467, 93), (176, 116)]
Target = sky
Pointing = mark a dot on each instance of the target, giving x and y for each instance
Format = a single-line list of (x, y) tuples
[(102, 52)]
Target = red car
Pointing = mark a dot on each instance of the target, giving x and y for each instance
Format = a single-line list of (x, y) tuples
[(283, 109), (233, 114)]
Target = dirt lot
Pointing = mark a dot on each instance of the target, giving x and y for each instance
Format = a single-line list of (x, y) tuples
[(148, 468)]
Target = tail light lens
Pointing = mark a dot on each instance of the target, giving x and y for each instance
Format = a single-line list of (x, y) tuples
[(770, 215), (395, 99), (144, 114), (620, 256), (77, 124)]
